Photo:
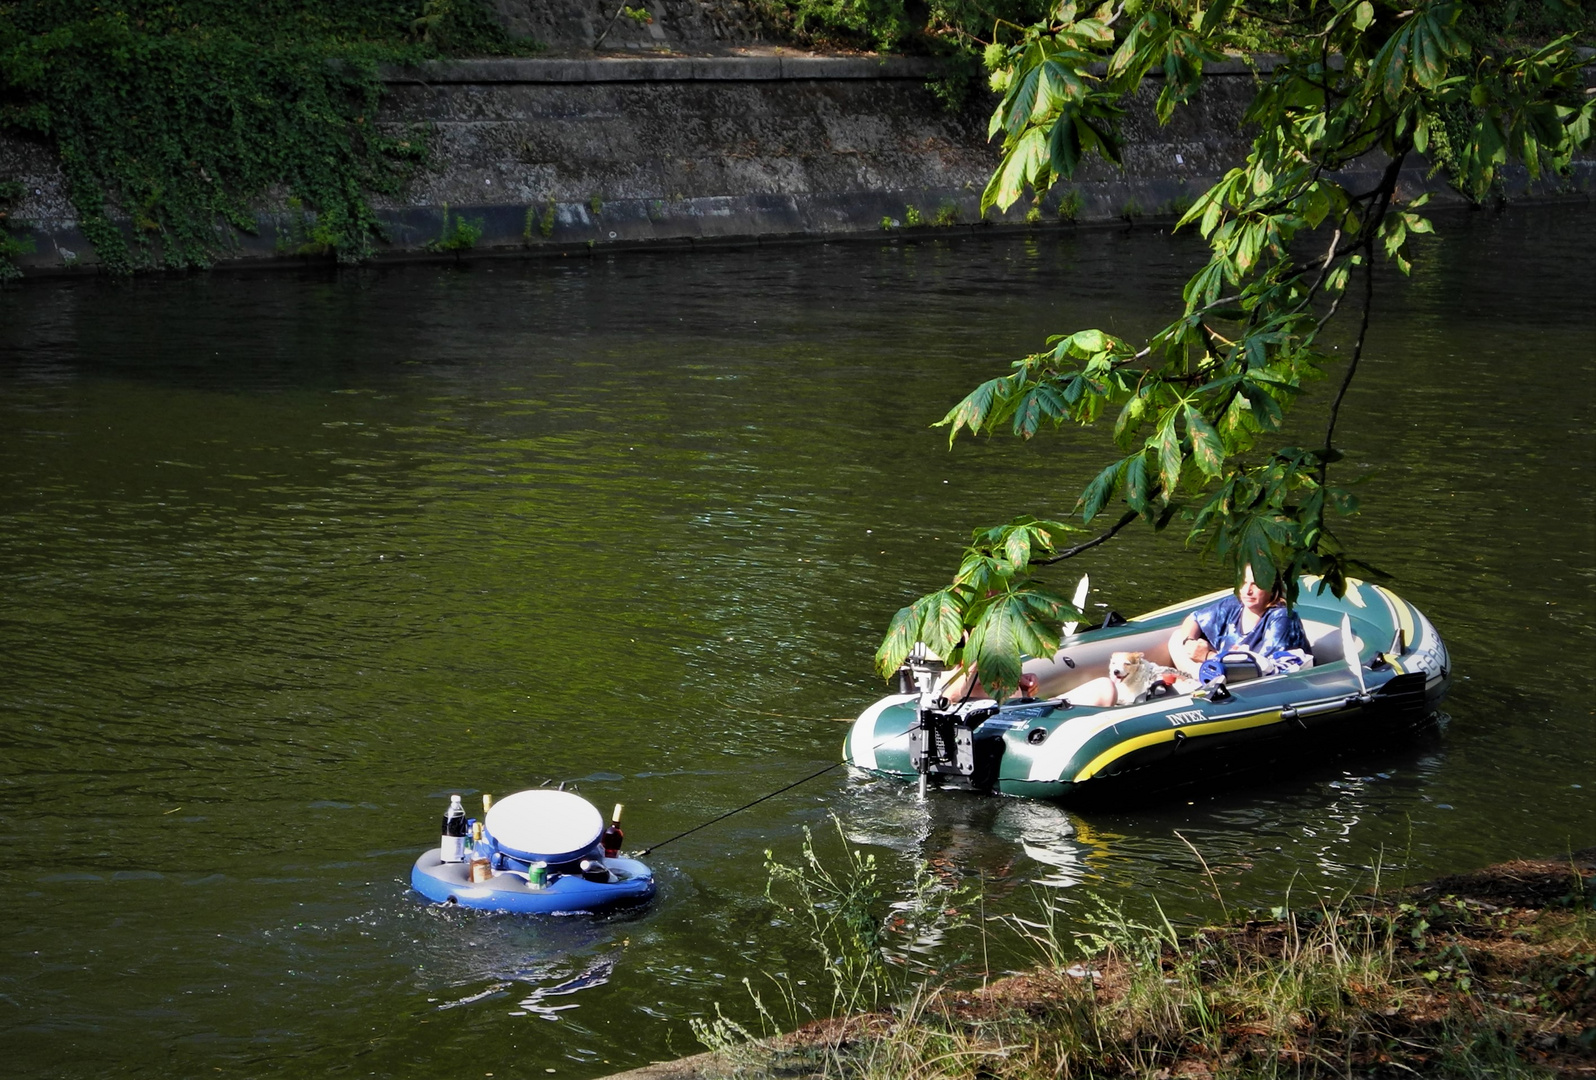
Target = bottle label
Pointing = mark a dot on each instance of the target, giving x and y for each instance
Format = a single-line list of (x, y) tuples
[(453, 849)]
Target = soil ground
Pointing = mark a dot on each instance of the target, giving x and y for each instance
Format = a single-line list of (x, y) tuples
[(1489, 973)]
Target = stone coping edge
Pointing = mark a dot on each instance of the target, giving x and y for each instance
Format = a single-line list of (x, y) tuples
[(605, 69), (776, 68)]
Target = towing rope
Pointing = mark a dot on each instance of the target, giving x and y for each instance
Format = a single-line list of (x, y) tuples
[(740, 809)]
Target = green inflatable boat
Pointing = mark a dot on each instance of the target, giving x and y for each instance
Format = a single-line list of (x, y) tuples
[(1378, 668)]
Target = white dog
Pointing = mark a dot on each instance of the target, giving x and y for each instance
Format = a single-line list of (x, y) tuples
[(1135, 677)]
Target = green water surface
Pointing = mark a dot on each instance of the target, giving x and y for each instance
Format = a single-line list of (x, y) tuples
[(287, 558)]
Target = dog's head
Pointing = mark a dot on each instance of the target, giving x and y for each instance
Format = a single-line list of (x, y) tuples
[(1124, 665)]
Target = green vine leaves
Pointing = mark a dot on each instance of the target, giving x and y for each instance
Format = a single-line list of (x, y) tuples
[(175, 121), (1194, 405)]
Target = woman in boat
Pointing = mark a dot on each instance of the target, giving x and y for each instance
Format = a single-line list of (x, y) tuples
[(1255, 619)]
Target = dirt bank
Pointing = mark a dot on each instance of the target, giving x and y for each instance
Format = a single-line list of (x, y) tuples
[(1489, 973)]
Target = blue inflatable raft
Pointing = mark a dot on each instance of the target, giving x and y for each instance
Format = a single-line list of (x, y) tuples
[(629, 882), (539, 853)]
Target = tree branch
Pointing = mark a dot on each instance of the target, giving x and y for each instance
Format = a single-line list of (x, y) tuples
[(1070, 553), (1387, 190)]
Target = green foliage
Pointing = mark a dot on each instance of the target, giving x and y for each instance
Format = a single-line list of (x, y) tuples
[(958, 28), (304, 235), (1191, 404), (1071, 205), (912, 216), (11, 246), (458, 233), (541, 224), (179, 117), (947, 214), (637, 14), (596, 203), (995, 609), (872, 949)]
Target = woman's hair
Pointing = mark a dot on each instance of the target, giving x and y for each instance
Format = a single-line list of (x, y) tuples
[(1277, 592)]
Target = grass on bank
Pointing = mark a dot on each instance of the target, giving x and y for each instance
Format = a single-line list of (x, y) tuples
[(1490, 974)]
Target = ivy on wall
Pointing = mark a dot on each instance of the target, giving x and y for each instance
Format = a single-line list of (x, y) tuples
[(180, 116)]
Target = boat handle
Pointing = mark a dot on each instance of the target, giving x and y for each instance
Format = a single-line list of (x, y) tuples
[(1290, 713)]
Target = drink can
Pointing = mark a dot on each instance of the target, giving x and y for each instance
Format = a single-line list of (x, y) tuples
[(537, 875)]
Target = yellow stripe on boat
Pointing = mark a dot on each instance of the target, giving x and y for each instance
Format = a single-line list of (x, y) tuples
[(1404, 618), (1153, 738)]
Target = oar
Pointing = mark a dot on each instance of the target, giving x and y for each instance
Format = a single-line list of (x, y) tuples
[(1081, 589), (1349, 649)]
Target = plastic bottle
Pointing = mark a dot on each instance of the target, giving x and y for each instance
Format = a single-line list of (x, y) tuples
[(613, 836), (454, 832)]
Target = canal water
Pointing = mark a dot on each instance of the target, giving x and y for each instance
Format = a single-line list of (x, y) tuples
[(288, 558)]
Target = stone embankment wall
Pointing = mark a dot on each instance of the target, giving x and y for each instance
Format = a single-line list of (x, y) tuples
[(559, 154)]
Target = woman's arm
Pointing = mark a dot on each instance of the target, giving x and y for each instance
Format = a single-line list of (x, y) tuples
[(1188, 646)]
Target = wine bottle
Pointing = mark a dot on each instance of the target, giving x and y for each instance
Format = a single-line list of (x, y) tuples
[(454, 831), (613, 835)]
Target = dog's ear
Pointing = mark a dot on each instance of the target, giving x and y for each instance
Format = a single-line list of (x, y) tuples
[(1135, 657)]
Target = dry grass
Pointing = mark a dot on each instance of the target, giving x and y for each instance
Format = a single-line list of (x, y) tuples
[(1490, 974)]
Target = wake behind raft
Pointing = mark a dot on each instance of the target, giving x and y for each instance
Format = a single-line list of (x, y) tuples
[(540, 852)]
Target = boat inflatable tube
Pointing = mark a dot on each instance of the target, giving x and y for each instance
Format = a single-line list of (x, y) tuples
[(629, 882), (1379, 670)]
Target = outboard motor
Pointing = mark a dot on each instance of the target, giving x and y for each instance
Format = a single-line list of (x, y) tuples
[(942, 743), (942, 740)]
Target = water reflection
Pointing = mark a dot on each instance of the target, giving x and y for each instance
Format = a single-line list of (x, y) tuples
[(1063, 847)]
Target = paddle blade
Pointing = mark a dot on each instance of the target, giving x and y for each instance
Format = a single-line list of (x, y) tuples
[(1082, 587)]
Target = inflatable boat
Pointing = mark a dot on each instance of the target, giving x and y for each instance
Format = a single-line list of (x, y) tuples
[(1378, 668), (538, 852), (565, 890)]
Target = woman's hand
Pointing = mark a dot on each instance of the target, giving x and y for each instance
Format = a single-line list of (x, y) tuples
[(1188, 648)]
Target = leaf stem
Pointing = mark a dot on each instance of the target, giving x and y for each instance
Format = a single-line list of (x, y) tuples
[(1070, 553)]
